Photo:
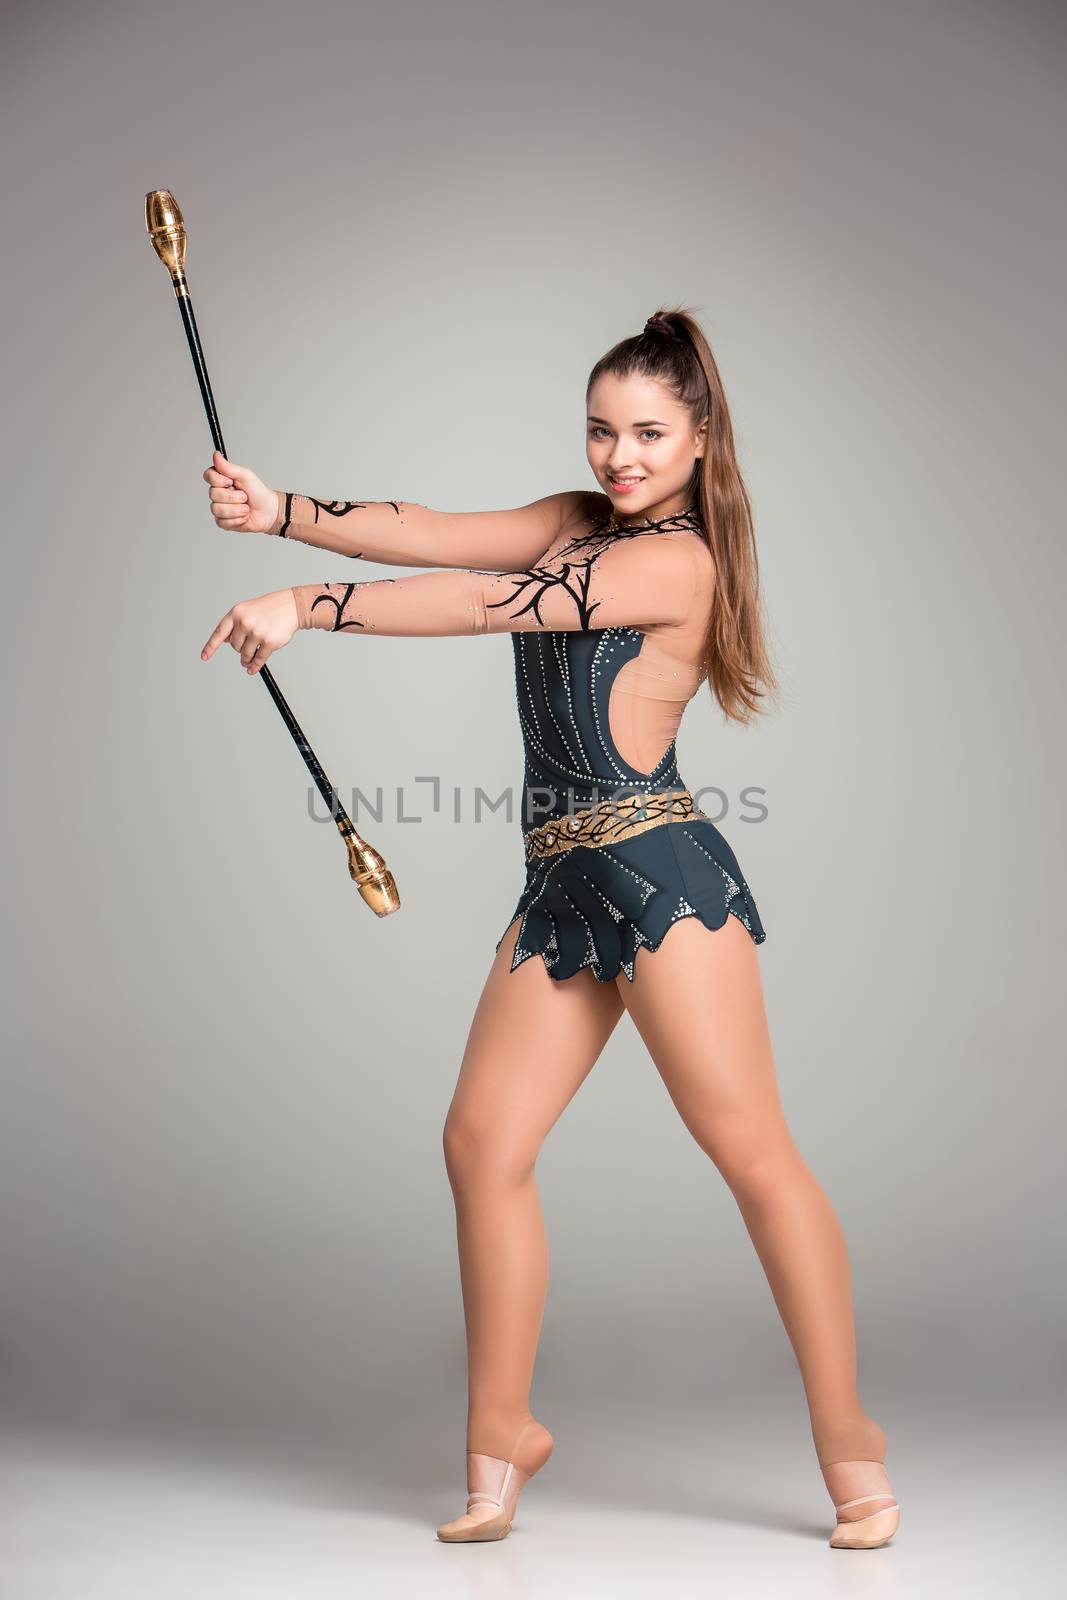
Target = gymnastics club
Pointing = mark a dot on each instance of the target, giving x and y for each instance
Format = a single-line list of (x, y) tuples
[(166, 229)]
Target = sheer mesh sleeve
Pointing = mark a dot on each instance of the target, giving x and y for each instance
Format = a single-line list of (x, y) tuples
[(404, 534), (639, 581)]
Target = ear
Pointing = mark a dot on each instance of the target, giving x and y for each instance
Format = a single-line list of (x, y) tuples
[(702, 437)]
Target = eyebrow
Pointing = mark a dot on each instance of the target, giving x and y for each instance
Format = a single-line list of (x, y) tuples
[(651, 423)]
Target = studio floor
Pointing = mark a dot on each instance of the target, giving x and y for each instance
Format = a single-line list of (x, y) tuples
[(114, 1518)]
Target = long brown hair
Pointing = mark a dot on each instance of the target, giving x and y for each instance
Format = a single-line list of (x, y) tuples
[(676, 353)]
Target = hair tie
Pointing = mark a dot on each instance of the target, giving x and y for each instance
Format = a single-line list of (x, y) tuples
[(658, 324)]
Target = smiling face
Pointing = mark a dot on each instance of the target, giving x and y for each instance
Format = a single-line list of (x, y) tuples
[(641, 445)]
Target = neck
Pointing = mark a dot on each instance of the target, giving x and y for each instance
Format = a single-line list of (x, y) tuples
[(658, 515)]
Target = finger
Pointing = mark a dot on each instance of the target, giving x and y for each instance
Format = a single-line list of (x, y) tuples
[(222, 497), (211, 476), (231, 519), (220, 635), (260, 659), (230, 468), (251, 645)]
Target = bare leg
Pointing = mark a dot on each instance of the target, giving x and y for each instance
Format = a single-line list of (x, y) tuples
[(532, 1043), (697, 1002)]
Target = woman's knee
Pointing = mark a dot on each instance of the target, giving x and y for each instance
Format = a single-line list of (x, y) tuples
[(754, 1162), (478, 1152)]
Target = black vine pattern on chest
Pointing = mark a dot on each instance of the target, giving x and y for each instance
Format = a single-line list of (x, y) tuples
[(603, 536), (332, 508)]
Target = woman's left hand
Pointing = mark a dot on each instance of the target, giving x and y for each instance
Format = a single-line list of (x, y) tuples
[(256, 628)]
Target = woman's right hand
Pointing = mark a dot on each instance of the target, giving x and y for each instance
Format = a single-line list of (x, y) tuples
[(240, 502)]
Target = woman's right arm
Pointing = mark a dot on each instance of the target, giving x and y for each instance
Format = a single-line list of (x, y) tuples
[(398, 532)]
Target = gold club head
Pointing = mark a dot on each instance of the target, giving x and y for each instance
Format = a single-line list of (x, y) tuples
[(166, 229), (381, 894), (370, 874)]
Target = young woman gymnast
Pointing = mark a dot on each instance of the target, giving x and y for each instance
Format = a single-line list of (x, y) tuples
[(620, 602)]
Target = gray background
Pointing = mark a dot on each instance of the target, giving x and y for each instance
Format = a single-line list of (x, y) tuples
[(227, 1231)]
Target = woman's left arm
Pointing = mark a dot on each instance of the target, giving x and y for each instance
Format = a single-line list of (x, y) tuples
[(640, 581)]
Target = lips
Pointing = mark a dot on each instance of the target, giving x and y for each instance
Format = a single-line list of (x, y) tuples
[(624, 483)]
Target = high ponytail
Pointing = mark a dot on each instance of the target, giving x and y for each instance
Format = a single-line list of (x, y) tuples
[(672, 349)]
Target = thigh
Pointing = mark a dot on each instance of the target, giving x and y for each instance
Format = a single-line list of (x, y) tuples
[(697, 1003), (532, 1042)]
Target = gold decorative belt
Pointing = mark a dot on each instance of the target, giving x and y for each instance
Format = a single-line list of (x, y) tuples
[(608, 822)]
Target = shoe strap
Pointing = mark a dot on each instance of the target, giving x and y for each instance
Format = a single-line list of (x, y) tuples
[(862, 1499), (483, 1496)]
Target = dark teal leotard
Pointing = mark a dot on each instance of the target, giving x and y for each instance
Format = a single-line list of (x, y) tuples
[(596, 906)]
